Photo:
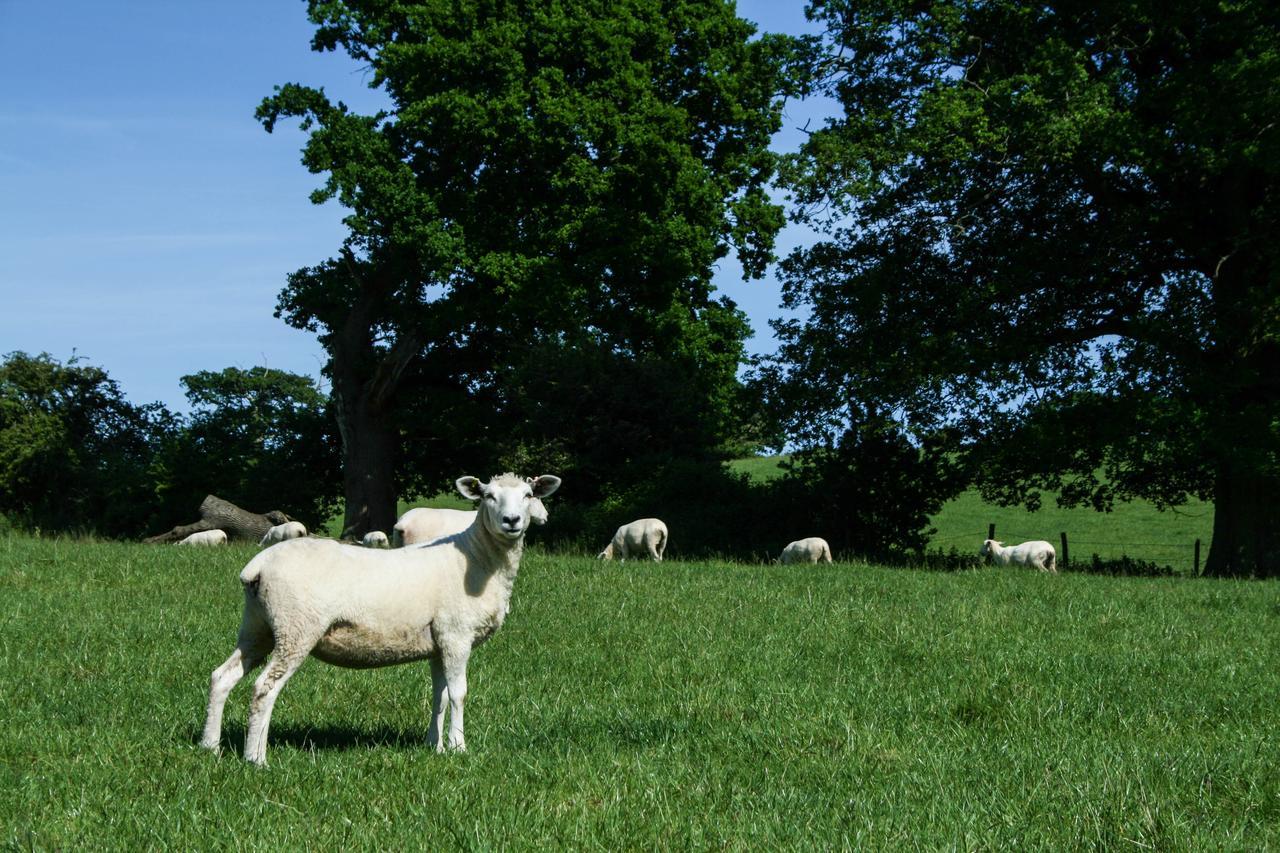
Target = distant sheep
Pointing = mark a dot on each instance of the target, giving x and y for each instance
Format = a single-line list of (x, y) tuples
[(374, 539), (206, 538), (427, 524), (811, 550), (643, 536), (281, 532), (362, 608), (1038, 553)]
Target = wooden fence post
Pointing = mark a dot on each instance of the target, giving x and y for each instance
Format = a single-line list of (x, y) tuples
[(1065, 558), (991, 530), (1197, 564)]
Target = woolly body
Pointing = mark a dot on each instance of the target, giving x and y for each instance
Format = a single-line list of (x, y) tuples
[(360, 608), (205, 538), (283, 532), (1037, 553), (812, 550), (642, 536)]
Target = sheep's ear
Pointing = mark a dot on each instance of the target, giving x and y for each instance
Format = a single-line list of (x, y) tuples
[(544, 485), (469, 487)]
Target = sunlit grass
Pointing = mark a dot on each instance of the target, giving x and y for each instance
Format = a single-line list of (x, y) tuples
[(635, 705)]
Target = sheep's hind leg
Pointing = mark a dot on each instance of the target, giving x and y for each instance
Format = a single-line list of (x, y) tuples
[(265, 692), (253, 645)]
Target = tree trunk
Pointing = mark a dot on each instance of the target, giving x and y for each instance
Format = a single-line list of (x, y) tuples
[(368, 470), (1246, 523), (217, 514), (365, 381)]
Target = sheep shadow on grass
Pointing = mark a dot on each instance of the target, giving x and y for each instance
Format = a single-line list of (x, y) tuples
[(326, 738)]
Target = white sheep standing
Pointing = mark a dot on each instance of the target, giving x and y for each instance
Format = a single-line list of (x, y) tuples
[(283, 532), (374, 539), (206, 538), (642, 536), (427, 524), (812, 550), (1038, 553), (365, 608)]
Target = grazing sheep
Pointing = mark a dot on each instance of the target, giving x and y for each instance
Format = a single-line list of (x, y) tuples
[(1037, 553), (427, 524), (363, 608), (281, 532), (206, 538), (812, 550), (374, 539), (643, 536)]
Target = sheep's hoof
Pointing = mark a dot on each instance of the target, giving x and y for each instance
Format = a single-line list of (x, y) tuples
[(214, 746)]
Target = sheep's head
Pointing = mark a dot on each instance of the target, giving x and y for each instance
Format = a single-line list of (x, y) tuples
[(987, 548), (607, 553), (506, 501)]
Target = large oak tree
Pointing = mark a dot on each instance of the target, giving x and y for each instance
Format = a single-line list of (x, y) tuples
[(1052, 237), (550, 174)]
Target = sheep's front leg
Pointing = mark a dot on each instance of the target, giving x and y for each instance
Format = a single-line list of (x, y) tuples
[(455, 676), (438, 687)]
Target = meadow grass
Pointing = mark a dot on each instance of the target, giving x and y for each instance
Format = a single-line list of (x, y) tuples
[(640, 706), (1135, 529)]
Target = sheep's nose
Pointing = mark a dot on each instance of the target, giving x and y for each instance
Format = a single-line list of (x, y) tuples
[(511, 520)]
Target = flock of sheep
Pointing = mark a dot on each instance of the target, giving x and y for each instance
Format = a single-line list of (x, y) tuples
[(444, 592)]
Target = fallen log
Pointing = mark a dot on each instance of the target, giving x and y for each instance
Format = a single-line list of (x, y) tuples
[(217, 514)]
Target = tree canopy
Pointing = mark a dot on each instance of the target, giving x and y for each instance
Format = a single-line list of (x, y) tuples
[(260, 438), (549, 175), (74, 453), (1049, 237)]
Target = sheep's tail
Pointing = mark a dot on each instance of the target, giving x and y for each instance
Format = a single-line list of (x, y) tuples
[(249, 575)]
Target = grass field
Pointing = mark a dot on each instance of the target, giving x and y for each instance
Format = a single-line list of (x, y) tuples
[(673, 706), (1136, 529)]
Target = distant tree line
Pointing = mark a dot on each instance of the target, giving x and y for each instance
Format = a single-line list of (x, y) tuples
[(76, 456), (1046, 261)]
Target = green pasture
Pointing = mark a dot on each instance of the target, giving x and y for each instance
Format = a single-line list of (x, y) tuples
[(1135, 529), (656, 706)]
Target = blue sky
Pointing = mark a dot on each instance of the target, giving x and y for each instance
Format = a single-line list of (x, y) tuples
[(147, 221)]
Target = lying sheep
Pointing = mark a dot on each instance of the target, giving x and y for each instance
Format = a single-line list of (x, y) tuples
[(282, 532), (1037, 553), (643, 536), (374, 539), (364, 608), (427, 524), (205, 538), (812, 550)]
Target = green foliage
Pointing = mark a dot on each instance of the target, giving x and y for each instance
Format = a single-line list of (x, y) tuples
[(74, 454), (552, 178), (260, 438), (1050, 232), (691, 705)]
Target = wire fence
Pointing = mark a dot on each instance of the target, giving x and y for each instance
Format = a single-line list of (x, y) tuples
[(1182, 557)]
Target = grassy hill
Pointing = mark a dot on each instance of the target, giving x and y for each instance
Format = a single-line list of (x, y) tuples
[(687, 705), (1136, 529)]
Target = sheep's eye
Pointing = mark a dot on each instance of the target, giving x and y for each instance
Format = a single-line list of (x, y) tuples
[(490, 498)]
